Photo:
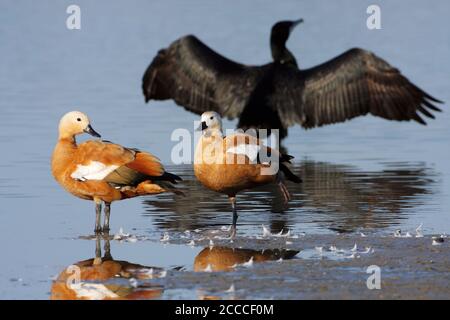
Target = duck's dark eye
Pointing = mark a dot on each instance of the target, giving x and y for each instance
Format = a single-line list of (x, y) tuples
[(212, 118), (78, 119)]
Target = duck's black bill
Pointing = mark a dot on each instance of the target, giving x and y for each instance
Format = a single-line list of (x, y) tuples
[(92, 132), (202, 126)]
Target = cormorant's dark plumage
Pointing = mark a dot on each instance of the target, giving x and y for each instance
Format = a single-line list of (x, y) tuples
[(278, 95)]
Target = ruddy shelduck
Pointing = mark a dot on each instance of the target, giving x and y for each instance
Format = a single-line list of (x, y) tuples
[(102, 171), (234, 163)]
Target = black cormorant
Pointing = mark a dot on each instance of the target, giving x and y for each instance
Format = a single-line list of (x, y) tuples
[(278, 95)]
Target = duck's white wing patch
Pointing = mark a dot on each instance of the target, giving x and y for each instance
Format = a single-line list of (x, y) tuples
[(249, 150), (92, 291), (93, 171)]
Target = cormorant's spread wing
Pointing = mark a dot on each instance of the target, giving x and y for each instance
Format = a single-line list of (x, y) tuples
[(353, 84), (198, 78)]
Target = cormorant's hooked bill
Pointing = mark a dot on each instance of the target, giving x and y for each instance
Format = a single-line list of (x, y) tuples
[(290, 23), (282, 29), (296, 23)]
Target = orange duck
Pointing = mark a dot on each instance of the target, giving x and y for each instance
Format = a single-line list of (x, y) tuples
[(102, 171), (237, 162)]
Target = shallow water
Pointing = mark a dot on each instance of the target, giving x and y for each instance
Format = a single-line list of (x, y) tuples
[(367, 175)]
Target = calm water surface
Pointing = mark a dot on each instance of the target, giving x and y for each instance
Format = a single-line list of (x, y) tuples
[(367, 175)]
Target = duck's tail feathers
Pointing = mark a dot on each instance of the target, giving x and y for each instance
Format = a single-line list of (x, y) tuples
[(289, 174), (173, 178), (286, 158)]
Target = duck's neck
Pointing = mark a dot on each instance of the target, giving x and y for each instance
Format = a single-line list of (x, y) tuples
[(213, 133), (63, 154), (209, 147), (67, 140)]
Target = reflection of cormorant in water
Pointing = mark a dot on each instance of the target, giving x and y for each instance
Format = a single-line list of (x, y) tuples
[(225, 259), (337, 197), (103, 278)]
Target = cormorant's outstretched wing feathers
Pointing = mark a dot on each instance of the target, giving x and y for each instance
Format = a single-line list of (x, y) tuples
[(198, 78), (353, 84)]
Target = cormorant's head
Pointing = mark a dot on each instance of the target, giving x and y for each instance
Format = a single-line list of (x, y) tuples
[(278, 37), (282, 29)]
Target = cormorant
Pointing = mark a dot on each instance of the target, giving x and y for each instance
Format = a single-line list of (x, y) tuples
[(278, 95)]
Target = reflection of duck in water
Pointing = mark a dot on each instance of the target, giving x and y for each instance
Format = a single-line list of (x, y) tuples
[(337, 197), (103, 278), (225, 259)]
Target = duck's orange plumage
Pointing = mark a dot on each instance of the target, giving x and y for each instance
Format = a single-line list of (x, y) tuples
[(236, 162), (103, 171)]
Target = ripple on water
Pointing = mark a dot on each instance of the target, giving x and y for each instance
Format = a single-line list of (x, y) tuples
[(333, 198)]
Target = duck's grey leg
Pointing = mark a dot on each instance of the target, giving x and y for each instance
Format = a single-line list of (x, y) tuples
[(98, 216), (284, 191), (107, 246), (98, 249), (107, 214), (235, 217)]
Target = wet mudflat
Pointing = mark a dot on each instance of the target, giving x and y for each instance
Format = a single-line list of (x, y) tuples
[(363, 180), (268, 266), (336, 269)]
